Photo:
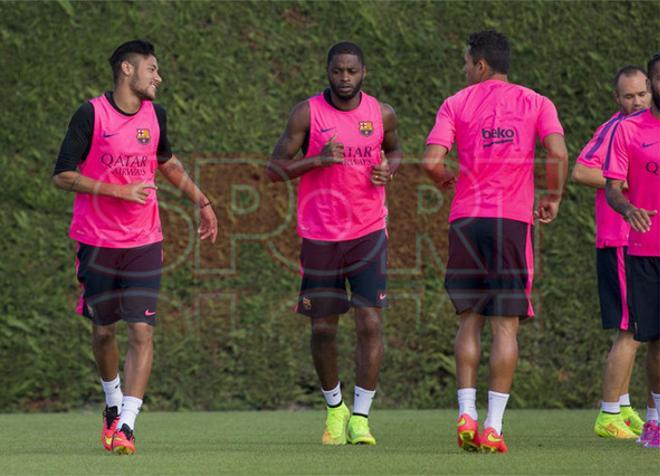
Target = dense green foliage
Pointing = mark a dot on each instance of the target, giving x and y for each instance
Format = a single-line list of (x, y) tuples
[(282, 442), (228, 340)]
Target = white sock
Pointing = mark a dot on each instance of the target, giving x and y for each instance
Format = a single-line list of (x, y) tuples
[(362, 401), (113, 393), (651, 414), (130, 407), (656, 399), (333, 397), (467, 402), (610, 407), (496, 406), (624, 400)]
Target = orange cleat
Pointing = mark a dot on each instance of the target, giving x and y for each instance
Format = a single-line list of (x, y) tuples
[(467, 430), (491, 442), (110, 420), (123, 441)]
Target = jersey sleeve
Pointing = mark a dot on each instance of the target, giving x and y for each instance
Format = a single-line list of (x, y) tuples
[(618, 157), (444, 129), (593, 154), (164, 151), (548, 120), (77, 141)]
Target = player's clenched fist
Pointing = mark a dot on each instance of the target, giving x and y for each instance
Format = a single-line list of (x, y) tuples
[(381, 173), (332, 153), (137, 192)]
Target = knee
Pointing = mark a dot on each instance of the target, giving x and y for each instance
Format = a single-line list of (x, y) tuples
[(369, 329), (323, 331), (140, 337), (505, 328), (103, 335)]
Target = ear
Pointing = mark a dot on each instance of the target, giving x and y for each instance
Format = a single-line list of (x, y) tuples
[(364, 72), (127, 68)]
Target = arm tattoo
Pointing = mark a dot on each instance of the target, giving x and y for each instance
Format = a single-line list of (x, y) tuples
[(75, 182)]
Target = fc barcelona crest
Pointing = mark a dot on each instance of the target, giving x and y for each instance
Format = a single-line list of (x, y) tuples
[(143, 136), (366, 128)]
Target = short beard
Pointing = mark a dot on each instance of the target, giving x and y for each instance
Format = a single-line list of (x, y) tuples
[(142, 95), (347, 97)]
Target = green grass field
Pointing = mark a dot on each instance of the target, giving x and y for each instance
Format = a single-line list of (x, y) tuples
[(282, 442)]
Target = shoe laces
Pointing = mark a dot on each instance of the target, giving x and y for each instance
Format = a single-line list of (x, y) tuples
[(110, 414)]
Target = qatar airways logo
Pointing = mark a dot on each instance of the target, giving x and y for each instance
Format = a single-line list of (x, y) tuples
[(356, 156), (124, 165), (498, 135)]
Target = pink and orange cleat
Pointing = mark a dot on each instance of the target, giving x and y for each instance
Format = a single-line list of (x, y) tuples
[(123, 442), (110, 420), (467, 430), (492, 442)]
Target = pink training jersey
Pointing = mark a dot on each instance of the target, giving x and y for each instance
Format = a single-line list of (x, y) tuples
[(635, 157), (494, 124), (339, 202), (122, 151), (611, 229)]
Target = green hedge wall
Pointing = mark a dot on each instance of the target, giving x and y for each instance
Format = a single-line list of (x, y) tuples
[(233, 70)]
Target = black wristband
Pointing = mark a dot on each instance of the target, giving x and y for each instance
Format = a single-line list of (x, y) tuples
[(205, 205)]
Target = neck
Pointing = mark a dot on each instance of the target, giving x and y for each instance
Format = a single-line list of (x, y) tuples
[(345, 104), (655, 110), (497, 77), (125, 99)]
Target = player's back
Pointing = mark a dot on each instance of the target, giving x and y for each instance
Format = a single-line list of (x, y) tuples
[(496, 125)]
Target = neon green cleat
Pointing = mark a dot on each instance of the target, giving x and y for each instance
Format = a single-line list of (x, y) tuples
[(358, 431), (612, 426), (335, 425), (632, 419)]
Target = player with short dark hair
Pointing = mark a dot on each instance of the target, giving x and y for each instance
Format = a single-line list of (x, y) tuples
[(494, 125), (350, 151), (634, 159), (617, 418), (109, 157)]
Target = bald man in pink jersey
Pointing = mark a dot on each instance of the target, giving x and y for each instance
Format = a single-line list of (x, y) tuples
[(350, 151), (495, 125), (617, 418), (109, 157), (634, 158)]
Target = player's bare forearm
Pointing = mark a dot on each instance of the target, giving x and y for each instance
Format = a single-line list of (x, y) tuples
[(556, 165), (280, 170), (589, 176), (434, 165), (76, 182), (639, 218), (175, 173), (615, 197)]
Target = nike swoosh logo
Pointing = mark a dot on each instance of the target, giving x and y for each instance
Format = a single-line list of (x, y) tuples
[(382, 296), (328, 129), (335, 394), (493, 439), (105, 134), (645, 145), (462, 422), (108, 440), (149, 313)]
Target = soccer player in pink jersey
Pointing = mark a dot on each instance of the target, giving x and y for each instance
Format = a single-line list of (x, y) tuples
[(634, 158), (494, 125), (617, 418), (109, 157), (350, 151)]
